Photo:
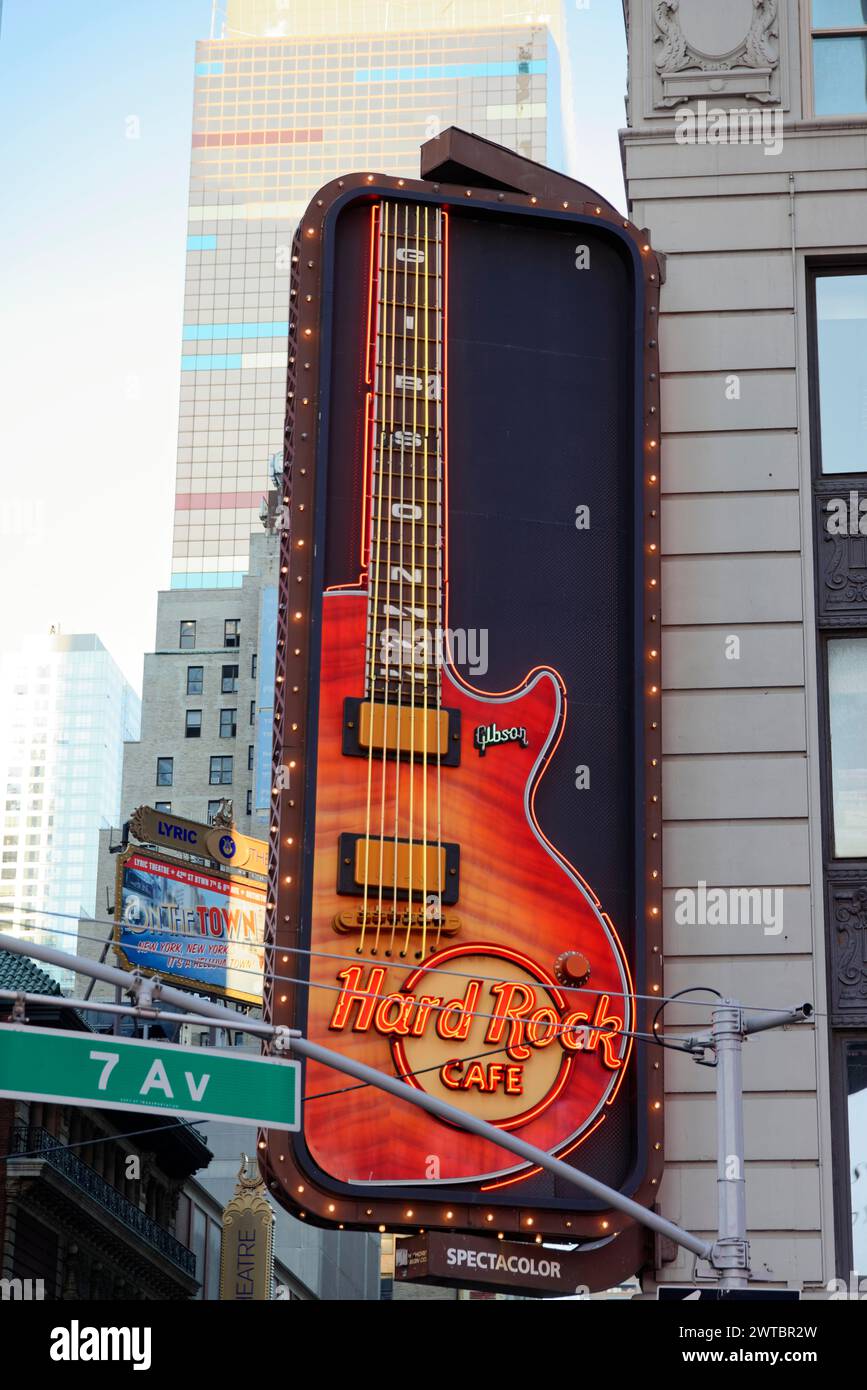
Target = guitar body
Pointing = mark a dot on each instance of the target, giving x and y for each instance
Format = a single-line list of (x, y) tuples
[(518, 900)]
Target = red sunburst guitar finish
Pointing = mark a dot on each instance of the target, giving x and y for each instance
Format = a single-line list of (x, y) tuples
[(516, 891)]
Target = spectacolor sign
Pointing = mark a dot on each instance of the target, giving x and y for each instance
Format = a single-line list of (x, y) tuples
[(467, 1261), (110, 1073)]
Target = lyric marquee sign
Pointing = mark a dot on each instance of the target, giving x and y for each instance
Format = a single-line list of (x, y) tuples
[(465, 866)]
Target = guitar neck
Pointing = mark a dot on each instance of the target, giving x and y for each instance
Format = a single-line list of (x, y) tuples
[(405, 506)]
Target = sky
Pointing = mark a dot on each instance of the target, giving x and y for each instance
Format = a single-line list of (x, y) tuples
[(96, 110)]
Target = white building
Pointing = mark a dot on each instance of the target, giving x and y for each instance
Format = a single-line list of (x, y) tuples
[(66, 711)]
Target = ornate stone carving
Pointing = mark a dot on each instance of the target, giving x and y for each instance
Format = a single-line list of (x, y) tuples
[(672, 49), (675, 54), (848, 932), (842, 561), (759, 52), (225, 816)]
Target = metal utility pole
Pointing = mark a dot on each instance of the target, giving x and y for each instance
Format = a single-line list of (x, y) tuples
[(729, 1028), (728, 1256), (732, 1246)]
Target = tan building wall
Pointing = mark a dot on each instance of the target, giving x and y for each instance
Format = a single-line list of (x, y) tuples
[(742, 743)]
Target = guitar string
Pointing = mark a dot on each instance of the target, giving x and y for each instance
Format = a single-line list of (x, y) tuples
[(434, 642), (388, 409), (372, 591), (413, 571), (401, 666), (439, 388), (427, 605)]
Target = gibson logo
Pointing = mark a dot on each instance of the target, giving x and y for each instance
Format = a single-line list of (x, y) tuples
[(487, 734)]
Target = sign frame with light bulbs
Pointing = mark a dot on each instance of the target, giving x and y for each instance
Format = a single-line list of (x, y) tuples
[(312, 965)]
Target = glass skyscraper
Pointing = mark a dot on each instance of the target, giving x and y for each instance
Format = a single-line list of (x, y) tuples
[(66, 709), (288, 97)]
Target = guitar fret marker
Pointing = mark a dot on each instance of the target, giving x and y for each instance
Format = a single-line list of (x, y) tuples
[(405, 516)]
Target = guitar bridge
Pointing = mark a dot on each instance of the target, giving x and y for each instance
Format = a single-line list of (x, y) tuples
[(388, 920)]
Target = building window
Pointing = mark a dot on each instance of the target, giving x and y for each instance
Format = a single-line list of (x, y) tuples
[(249, 803), (838, 338), (254, 663), (252, 711), (195, 680), (213, 809), (228, 723), (165, 806), (250, 756), (232, 632), (841, 355), (229, 683), (221, 772), (187, 639), (856, 1084), (193, 724), (847, 710), (840, 57), (165, 771)]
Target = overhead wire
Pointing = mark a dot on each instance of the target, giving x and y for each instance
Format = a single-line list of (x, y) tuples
[(392, 964)]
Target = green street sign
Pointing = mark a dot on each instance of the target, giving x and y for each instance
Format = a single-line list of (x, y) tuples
[(111, 1073)]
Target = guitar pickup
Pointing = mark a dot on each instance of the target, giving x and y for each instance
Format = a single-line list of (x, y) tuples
[(388, 864), (402, 731)]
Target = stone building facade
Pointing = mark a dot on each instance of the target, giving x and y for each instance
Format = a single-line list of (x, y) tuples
[(745, 157)]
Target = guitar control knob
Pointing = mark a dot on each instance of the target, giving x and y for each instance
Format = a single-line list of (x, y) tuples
[(572, 968)]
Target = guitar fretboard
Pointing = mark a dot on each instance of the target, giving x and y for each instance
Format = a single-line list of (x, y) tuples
[(405, 503)]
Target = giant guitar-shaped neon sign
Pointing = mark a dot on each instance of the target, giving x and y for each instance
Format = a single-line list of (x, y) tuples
[(439, 907)]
